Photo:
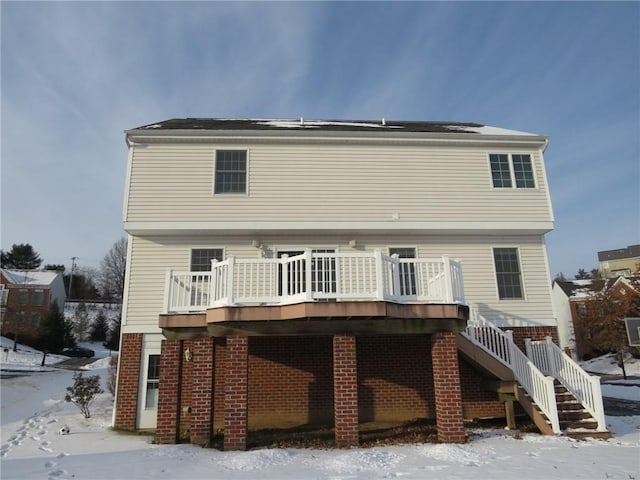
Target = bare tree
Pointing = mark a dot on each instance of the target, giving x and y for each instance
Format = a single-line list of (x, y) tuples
[(112, 270)]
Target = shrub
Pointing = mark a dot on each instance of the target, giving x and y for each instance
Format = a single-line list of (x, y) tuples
[(83, 392)]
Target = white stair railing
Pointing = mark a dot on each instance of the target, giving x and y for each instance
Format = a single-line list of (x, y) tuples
[(500, 345), (549, 358)]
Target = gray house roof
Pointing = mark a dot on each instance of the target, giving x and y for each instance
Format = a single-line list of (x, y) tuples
[(632, 251), (329, 125)]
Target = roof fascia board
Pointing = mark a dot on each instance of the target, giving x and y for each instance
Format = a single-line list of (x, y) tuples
[(258, 136)]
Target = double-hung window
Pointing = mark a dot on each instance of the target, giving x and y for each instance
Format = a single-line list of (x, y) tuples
[(508, 275), (511, 169), (230, 171)]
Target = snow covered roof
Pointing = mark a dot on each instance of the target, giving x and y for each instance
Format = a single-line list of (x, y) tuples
[(29, 277), (330, 125), (581, 288), (576, 289)]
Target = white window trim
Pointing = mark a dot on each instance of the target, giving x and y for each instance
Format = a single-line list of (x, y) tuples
[(213, 183), (512, 174), (523, 284)]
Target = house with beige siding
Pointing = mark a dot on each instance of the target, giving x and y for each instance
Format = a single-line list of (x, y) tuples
[(286, 273)]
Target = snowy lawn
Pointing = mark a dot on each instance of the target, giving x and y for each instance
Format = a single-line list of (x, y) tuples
[(33, 411)]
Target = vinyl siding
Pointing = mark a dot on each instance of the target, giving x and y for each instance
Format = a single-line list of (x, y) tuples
[(329, 182), (152, 256)]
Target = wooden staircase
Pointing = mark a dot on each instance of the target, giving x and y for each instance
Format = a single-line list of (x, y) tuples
[(560, 411), (575, 420)]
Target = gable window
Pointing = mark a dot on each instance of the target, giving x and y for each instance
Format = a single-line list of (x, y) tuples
[(230, 171), (201, 258), (508, 170), (508, 274)]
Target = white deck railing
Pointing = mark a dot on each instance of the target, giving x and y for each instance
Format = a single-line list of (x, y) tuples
[(551, 360), (500, 345), (315, 276)]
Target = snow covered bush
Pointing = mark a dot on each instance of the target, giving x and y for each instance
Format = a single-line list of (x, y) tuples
[(83, 392)]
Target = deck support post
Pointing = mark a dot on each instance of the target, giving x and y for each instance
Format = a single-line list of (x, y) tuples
[(202, 392), (446, 385), (509, 410), (345, 390), (236, 393), (169, 391)]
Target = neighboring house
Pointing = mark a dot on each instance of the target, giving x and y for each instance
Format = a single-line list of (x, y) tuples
[(293, 272), (571, 300), (27, 296), (620, 262)]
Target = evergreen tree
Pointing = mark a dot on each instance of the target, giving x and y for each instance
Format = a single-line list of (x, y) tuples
[(582, 275), (56, 331), (21, 257), (113, 337), (81, 322), (82, 285), (100, 328)]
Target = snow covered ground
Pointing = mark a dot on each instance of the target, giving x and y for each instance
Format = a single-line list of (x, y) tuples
[(33, 410)]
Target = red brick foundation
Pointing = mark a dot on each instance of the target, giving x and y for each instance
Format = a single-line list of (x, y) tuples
[(128, 381), (235, 395), (345, 381), (291, 381), (169, 391), (395, 381), (237, 385), (446, 382)]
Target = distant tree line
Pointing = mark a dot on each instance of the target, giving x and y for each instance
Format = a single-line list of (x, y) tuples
[(581, 274)]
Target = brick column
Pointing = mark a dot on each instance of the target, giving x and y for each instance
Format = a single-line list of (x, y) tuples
[(202, 391), (345, 390), (236, 393), (169, 391), (128, 381), (446, 385)]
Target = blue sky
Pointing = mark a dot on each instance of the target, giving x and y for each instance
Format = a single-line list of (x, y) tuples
[(75, 75)]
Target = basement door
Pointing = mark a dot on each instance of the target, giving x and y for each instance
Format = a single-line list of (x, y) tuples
[(148, 387)]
